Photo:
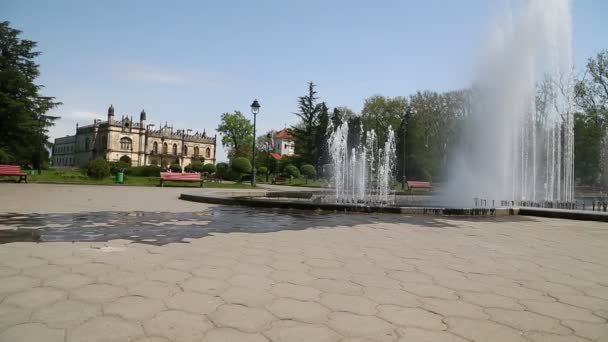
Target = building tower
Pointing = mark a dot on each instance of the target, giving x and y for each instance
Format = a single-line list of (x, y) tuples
[(110, 113), (142, 119)]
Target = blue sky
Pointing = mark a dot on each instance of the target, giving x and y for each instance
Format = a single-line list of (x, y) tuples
[(187, 62)]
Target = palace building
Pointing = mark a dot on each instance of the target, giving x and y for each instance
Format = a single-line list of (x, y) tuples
[(133, 142)]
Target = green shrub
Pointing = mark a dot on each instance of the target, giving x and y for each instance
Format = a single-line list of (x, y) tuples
[(221, 170), (175, 167), (208, 168), (119, 166), (195, 166), (308, 171), (262, 170), (292, 170), (232, 175), (145, 171), (240, 165), (98, 168)]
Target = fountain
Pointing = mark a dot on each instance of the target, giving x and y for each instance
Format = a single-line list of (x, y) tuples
[(518, 143), (361, 175)]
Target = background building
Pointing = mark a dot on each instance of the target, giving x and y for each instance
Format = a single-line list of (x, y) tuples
[(282, 144), (133, 142)]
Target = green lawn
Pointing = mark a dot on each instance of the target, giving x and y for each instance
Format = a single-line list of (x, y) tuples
[(73, 176)]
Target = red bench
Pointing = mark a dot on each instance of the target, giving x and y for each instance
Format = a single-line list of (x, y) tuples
[(13, 170), (411, 185), (180, 177), (280, 179)]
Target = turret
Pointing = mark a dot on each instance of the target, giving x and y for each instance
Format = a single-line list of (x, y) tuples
[(111, 113), (142, 118)]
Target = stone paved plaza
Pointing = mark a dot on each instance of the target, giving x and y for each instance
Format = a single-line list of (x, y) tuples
[(524, 279)]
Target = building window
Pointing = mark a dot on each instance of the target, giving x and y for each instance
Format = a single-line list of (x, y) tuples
[(104, 142), (196, 151), (155, 148), (175, 149), (87, 143), (185, 150), (208, 153), (125, 143), (165, 148)]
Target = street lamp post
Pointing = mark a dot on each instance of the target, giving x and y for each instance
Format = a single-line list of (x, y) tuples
[(406, 120), (268, 143), (255, 109)]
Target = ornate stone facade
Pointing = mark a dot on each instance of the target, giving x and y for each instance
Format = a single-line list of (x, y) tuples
[(134, 142)]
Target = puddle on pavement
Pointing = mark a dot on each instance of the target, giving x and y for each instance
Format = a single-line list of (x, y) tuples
[(160, 228)]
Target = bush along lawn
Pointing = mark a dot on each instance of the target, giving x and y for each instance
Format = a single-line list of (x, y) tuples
[(76, 176)]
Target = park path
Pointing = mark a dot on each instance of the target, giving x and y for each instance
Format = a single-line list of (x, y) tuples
[(441, 279)]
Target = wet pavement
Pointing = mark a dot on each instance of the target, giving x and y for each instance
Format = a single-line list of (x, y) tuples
[(160, 228)]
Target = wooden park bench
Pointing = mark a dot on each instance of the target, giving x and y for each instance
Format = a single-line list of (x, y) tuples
[(13, 170), (411, 185), (180, 177), (280, 180)]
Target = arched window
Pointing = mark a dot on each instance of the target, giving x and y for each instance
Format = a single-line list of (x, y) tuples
[(175, 149), (208, 153), (185, 150), (155, 148), (196, 151), (165, 148), (87, 143), (125, 143)]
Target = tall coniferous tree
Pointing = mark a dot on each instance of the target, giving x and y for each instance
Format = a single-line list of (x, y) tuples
[(304, 134), (23, 123)]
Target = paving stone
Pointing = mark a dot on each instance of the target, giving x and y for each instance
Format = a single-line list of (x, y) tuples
[(482, 330), (232, 335), (424, 335), (66, 313), (44, 271), (178, 326), (194, 302), (429, 290), (455, 308), (121, 278), (152, 339), (308, 312), (168, 275), (561, 311), (544, 337), (105, 329), (527, 321), (205, 285), (247, 280), (354, 304), (17, 283), (242, 318), (330, 273), (411, 317), (213, 272), (292, 331), (69, 281), (248, 297), (134, 307), (349, 324), (376, 281), (592, 331), (93, 269), (31, 332), (98, 293), (36, 297), (337, 286), (490, 300), (295, 291), (387, 296), (152, 289), (300, 278), (11, 315)]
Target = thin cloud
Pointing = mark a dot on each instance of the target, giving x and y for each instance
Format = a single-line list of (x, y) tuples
[(151, 74)]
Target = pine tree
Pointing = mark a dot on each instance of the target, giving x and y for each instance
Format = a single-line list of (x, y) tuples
[(304, 134), (23, 123)]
